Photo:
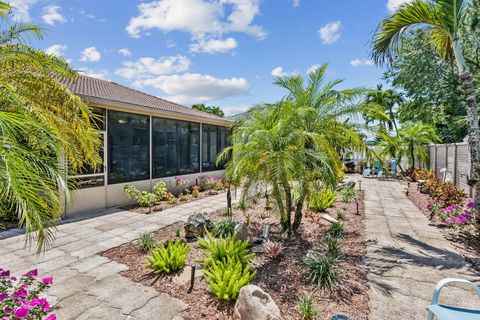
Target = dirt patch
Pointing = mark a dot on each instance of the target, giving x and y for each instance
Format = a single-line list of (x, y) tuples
[(284, 278), (464, 239)]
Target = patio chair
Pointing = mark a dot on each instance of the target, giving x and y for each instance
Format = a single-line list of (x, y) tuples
[(446, 312), (380, 175), (366, 172)]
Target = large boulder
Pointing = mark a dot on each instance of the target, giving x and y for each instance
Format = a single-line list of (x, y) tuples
[(255, 304), (241, 231), (196, 225)]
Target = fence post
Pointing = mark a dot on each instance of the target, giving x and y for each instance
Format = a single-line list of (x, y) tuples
[(435, 162), (455, 164)]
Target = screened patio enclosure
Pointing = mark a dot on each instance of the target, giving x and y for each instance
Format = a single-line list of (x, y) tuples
[(143, 145)]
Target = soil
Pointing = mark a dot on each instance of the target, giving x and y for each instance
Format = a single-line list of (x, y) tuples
[(284, 278), (464, 239), (165, 205)]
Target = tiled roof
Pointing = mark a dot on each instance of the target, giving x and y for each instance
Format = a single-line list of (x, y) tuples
[(96, 88)]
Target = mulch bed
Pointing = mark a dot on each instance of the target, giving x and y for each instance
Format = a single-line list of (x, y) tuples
[(284, 278), (163, 205), (464, 239)]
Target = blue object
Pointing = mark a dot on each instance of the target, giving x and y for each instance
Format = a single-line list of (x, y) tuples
[(393, 166), (340, 317), (377, 166), (366, 172), (380, 174), (445, 312)]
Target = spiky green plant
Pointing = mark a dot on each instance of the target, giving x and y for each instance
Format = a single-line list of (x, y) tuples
[(306, 307), (147, 241), (337, 229), (322, 200), (223, 228), (323, 270), (332, 245), (226, 277), (168, 259), (347, 194)]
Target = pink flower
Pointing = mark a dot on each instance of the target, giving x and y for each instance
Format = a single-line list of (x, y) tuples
[(7, 309), (47, 281), (51, 317), (5, 273), (3, 297), (20, 293), (21, 312), (31, 273)]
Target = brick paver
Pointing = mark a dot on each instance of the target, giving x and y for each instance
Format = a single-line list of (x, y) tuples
[(89, 286)]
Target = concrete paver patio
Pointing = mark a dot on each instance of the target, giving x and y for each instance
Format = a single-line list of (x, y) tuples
[(406, 257), (89, 286)]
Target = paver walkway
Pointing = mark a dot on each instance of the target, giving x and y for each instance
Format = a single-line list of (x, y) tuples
[(89, 286), (406, 256)]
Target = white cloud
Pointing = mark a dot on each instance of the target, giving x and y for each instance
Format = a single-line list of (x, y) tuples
[(57, 49), (296, 3), (171, 44), (191, 88), (393, 5), (331, 32), (146, 67), (214, 45), (22, 7), (90, 54), (197, 17), (125, 52), (362, 63), (100, 74), (88, 15), (279, 72), (51, 15)]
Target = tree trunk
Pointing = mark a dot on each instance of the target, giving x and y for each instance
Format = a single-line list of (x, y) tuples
[(299, 211), (281, 208), (288, 206)]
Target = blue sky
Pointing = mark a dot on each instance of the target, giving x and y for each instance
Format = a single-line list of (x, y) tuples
[(218, 52)]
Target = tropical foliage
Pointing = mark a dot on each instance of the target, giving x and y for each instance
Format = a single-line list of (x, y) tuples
[(168, 259), (209, 109), (294, 145), (443, 20), (42, 125)]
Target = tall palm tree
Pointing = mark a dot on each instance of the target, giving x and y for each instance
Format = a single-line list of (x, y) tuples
[(443, 18), (42, 125)]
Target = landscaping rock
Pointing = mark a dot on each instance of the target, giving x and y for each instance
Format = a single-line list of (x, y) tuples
[(241, 231), (255, 304), (347, 185), (196, 225), (329, 218)]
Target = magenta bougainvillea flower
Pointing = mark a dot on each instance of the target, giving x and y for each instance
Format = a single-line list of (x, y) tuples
[(23, 298)]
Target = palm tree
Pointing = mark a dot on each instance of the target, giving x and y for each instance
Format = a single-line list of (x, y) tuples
[(384, 100), (42, 126), (443, 18), (413, 139), (209, 109), (294, 146)]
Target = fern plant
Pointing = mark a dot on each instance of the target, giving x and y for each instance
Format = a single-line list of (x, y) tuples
[(226, 277), (168, 259), (322, 200), (219, 249)]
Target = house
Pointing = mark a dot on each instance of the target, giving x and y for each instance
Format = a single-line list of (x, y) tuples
[(145, 139)]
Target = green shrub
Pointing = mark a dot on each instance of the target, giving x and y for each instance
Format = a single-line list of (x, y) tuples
[(307, 309), (337, 230), (332, 245), (323, 270), (348, 194), (160, 190), (223, 228), (147, 241), (226, 277), (168, 259), (219, 249), (142, 198), (341, 215), (323, 200)]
